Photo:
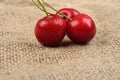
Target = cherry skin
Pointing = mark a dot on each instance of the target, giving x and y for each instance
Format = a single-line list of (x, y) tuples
[(50, 31), (81, 29), (70, 12)]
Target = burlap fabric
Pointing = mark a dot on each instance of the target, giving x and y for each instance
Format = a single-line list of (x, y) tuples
[(23, 58)]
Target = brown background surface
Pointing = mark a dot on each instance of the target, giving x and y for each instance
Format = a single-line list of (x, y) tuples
[(23, 58)]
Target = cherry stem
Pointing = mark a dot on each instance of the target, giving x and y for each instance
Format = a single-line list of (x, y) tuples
[(56, 10), (39, 7), (43, 8)]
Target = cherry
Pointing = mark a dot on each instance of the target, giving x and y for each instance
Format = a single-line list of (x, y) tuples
[(81, 29), (50, 31), (70, 12)]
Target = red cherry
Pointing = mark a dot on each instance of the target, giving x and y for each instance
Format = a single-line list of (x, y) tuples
[(81, 29), (70, 12), (50, 31)]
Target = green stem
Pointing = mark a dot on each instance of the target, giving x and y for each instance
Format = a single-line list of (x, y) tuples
[(43, 8), (57, 11), (39, 7)]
